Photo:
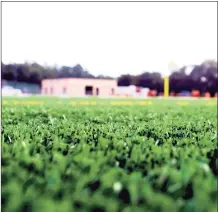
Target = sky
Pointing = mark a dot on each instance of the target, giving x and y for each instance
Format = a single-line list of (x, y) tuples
[(110, 38)]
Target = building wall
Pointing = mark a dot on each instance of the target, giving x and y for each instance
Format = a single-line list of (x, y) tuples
[(76, 86)]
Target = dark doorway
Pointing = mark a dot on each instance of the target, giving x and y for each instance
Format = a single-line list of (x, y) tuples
[(97, 91), (89, 90), (112, 91)]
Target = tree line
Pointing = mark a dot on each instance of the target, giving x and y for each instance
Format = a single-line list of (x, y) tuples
[(202, 77), (35, 73)]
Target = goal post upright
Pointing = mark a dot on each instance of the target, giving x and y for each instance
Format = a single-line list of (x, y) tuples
[(171, 67), (166, 86)]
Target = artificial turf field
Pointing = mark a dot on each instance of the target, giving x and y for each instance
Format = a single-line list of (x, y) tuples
[(109, 155)]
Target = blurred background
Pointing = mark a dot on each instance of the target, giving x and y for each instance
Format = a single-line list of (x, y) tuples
[(201, 81), (134, 44)]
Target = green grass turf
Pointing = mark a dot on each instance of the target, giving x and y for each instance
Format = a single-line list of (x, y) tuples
[(62, 157)]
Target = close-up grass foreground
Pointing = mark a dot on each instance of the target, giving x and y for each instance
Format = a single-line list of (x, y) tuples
[(159, 156)]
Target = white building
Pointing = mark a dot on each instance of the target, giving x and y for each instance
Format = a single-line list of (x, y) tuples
[(132, 91)]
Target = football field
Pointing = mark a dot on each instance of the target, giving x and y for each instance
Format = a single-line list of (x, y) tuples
[(62, 154)]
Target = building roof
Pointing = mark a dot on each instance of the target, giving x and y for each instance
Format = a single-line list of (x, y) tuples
[(74, 78)]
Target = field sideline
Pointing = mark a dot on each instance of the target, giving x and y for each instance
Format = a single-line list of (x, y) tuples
[(40, 100)]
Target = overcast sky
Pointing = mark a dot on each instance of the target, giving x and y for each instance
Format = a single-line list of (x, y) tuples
[(110, 38)]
